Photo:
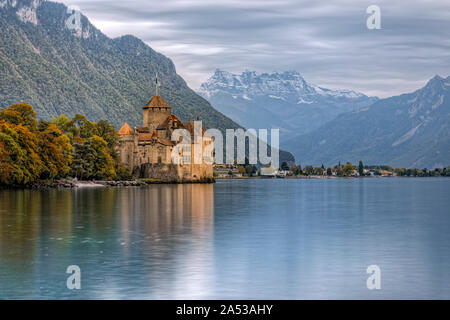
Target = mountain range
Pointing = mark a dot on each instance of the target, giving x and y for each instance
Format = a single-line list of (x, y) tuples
[(278, 100), (323, 126), (61, 70), (409, 130)]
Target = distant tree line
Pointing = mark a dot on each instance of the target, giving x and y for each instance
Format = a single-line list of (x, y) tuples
[(247, 169), (438, 172), (361, 170), (32, 150)]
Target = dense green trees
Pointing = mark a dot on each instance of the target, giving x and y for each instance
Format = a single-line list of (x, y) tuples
[(309, 170), (94, 154), (284, 166), (380, 170), (348, 169), (83, 160), (32, 150), (361, 168), (296, 170)]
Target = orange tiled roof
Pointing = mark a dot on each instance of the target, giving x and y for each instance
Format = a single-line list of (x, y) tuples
[(150, 137), (143, 130), (126, 130), (157, 102), (172, 118), (145, 137)]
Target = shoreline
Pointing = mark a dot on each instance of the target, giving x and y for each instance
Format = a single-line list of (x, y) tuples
[(323, 177), (71, 184)]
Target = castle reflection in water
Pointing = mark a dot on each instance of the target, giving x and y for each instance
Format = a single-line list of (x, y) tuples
[(107, 232)]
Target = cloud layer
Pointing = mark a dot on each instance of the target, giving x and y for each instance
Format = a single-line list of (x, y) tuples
[(326, 41)]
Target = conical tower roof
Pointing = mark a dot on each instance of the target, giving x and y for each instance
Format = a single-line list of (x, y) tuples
[(126, 130), (157, 102)]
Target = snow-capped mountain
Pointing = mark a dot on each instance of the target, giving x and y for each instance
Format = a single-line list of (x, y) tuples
[(278, 100), (279, 85), (410, 130)]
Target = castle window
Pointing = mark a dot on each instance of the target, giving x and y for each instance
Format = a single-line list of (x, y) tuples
[(159, 160)]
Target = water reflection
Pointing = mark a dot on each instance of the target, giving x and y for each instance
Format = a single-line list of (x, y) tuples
[(238, 239), (129, 242)]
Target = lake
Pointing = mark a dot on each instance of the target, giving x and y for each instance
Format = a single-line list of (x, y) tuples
[(237, 239)]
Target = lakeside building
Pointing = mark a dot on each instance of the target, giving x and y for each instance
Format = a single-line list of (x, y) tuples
[(226, 171), (147, 150)]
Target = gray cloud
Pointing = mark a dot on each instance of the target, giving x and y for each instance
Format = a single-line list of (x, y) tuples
[(327, 41)]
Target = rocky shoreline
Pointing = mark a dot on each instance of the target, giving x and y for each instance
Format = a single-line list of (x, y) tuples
[(74, 184)]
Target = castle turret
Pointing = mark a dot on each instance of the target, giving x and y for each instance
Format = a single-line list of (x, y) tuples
[(126, 145), (156, 112)]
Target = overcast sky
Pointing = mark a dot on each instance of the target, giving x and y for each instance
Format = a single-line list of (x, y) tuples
[(327, 41)]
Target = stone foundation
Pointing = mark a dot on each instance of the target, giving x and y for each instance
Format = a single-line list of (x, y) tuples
[(167, 173)]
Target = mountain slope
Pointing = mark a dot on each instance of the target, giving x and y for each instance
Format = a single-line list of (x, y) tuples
[(60, 70), (410, 130), (278, 100)]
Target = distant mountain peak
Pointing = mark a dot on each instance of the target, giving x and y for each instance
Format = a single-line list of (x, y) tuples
[(435, 87), (283, 100), (437, 77), (286, 85), (409, 130), (437, 81)]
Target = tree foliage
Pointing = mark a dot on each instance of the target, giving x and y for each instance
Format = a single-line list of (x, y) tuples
[(348, 169), (54, 150), (20, 161), (32, 150)]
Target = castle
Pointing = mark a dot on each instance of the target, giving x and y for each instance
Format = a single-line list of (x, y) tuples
[(147, 150)]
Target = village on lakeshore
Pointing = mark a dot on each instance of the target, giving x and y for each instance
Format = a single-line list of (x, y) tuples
[(225, 171)]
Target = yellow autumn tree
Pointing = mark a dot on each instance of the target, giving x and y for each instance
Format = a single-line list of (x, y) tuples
[(6, 168), (54, 150), (32, 150), (19, 152)]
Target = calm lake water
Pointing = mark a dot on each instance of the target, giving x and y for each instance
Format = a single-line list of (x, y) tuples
[(237, 239)]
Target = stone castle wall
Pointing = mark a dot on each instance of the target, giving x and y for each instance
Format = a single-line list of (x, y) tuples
[(153, 117), (171, 173), (151, 158)]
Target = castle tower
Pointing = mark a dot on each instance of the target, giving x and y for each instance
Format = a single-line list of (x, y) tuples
[(126, 145), (156, 112)]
